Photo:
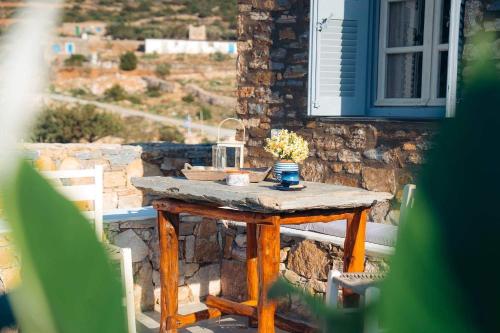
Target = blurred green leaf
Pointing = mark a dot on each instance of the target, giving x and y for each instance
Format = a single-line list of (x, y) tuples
[(68, 284), (332, 320), (443, 276)]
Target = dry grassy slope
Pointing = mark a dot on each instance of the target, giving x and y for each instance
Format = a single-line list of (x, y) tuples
[(217, 77), (148, 18)]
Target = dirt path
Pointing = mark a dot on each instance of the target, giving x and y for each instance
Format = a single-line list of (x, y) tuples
[(127, 112)]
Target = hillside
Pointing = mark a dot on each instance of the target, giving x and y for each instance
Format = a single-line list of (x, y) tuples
[(157, 19)]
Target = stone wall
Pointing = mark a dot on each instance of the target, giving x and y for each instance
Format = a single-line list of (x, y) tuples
[(304, 263), (121, 163), (9, 264), (376, 154), (212, 261), (481, 16), (200, 251)]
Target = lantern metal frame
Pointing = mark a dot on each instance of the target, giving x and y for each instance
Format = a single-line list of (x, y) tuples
[(233, 143)]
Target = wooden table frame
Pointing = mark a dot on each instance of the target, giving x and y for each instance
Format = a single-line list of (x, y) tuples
[(263, 258)]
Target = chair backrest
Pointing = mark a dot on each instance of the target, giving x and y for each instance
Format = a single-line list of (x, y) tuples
[(407, 201), (65, 181)]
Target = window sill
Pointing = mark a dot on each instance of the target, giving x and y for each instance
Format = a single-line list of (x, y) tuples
[(394, 114), (376, 119)]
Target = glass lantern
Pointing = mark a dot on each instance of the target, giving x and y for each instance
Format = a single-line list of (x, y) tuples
[(228, 152)]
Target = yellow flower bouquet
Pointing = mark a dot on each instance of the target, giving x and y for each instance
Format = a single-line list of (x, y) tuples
[(287, 145)]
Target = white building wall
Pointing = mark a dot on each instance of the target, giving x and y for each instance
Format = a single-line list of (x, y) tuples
[(174, 46)]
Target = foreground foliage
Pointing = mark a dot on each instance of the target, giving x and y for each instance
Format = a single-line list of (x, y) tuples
[(449, 239), (68, 284)]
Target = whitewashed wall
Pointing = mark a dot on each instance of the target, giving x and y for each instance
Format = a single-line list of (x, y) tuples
[(174, 46)]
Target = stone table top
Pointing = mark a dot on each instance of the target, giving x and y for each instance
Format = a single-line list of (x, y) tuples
[(260, 197)]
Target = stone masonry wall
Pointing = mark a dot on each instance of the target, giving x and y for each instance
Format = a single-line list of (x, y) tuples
[(9, 263), (304, 263), (376, 154), (481, 16), (200, 249), (212, 258), (121, 163), (211, 253)]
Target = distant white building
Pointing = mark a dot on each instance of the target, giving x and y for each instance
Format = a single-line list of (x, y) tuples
[(174, 46)]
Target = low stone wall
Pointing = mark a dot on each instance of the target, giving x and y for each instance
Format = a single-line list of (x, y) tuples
[(200, 249), (121, 163), (211, 253), (212, 258), (9, 264)]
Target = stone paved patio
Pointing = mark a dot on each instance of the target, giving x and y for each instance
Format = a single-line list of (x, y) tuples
[(149, 323)]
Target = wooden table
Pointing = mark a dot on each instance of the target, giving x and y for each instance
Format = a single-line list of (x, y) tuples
[(264, 210)]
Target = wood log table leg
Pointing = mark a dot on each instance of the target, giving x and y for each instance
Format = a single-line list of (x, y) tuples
[(168, 233), (252, 270), (268, 260), (354, 251)]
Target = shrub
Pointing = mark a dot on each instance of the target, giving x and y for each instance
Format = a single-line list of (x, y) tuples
[(77, 92), (153, 91), (71, 125), (163, 70), (115, 93), (205, 113), (121, 31), (134, 99), (171, 134), (128, 61), (188, 98), (76, 60), (218, 56)]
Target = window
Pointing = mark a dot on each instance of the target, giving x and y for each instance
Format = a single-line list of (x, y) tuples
[(384, 58), (413, 52)]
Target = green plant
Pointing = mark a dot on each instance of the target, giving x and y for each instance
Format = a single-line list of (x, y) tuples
[(218, 56), (153, 91), (134, 99), (66, 275), (188, 98), (162, 70), (205, 113), (82, 123), (78, 92), (171, 134), (75, 60), (115, 93), (121, 31), (435, 295), (128, 61)]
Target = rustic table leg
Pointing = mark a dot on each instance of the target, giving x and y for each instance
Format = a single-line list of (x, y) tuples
[(354, 251), (269, 261), (252, 270), (168, 232)]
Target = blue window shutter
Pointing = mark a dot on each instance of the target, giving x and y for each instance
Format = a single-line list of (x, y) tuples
[(338, 57)]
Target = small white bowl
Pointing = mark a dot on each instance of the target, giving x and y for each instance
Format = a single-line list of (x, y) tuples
[(238, 179)]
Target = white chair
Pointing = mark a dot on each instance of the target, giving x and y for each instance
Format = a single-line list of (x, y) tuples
[(68, 182), (366, 284)]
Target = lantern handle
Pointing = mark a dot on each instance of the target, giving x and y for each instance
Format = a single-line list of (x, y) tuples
[(234, 119)]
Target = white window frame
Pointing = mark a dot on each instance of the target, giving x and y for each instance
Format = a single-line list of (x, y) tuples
[(430, 49)]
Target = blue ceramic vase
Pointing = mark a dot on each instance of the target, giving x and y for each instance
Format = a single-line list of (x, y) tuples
[(281, 166)]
